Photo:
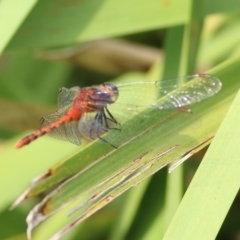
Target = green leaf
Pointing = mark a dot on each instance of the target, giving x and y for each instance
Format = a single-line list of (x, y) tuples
[(211, 7), (9, 25), (214, 187), (67, 22)]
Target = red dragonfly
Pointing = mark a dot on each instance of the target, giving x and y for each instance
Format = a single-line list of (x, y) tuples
[(71, 121)]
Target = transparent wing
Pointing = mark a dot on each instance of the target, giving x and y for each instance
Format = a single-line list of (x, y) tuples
[(66, 96), (88, 126), (91, 128), (66, 132), (168, 94)]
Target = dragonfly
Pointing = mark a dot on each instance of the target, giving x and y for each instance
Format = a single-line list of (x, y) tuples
[(86, 112)]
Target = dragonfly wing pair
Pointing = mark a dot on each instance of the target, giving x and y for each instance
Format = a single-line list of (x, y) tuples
[(68, 131), (167, 94)]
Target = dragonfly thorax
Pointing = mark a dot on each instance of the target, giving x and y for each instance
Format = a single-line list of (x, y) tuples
[(92, 99)]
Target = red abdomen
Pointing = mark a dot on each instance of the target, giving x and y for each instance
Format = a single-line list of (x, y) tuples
[(73, 114)]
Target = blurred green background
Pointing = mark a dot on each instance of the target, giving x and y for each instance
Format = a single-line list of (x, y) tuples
[(53, 43)]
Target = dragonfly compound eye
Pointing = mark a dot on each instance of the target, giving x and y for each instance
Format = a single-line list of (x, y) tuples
[(110, 90)]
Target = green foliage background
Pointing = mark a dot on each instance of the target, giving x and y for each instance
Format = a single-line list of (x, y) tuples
[(194, 36)]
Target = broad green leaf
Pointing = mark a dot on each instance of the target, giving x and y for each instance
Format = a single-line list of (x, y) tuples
[(10, 24), (214, 187), (211, 7), (53, 23), (98, 19)]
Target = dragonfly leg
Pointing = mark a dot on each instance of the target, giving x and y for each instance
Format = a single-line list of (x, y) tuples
[(112, 119), (101, 123)]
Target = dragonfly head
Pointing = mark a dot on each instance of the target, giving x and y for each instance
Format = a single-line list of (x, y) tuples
[(109, 92)]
